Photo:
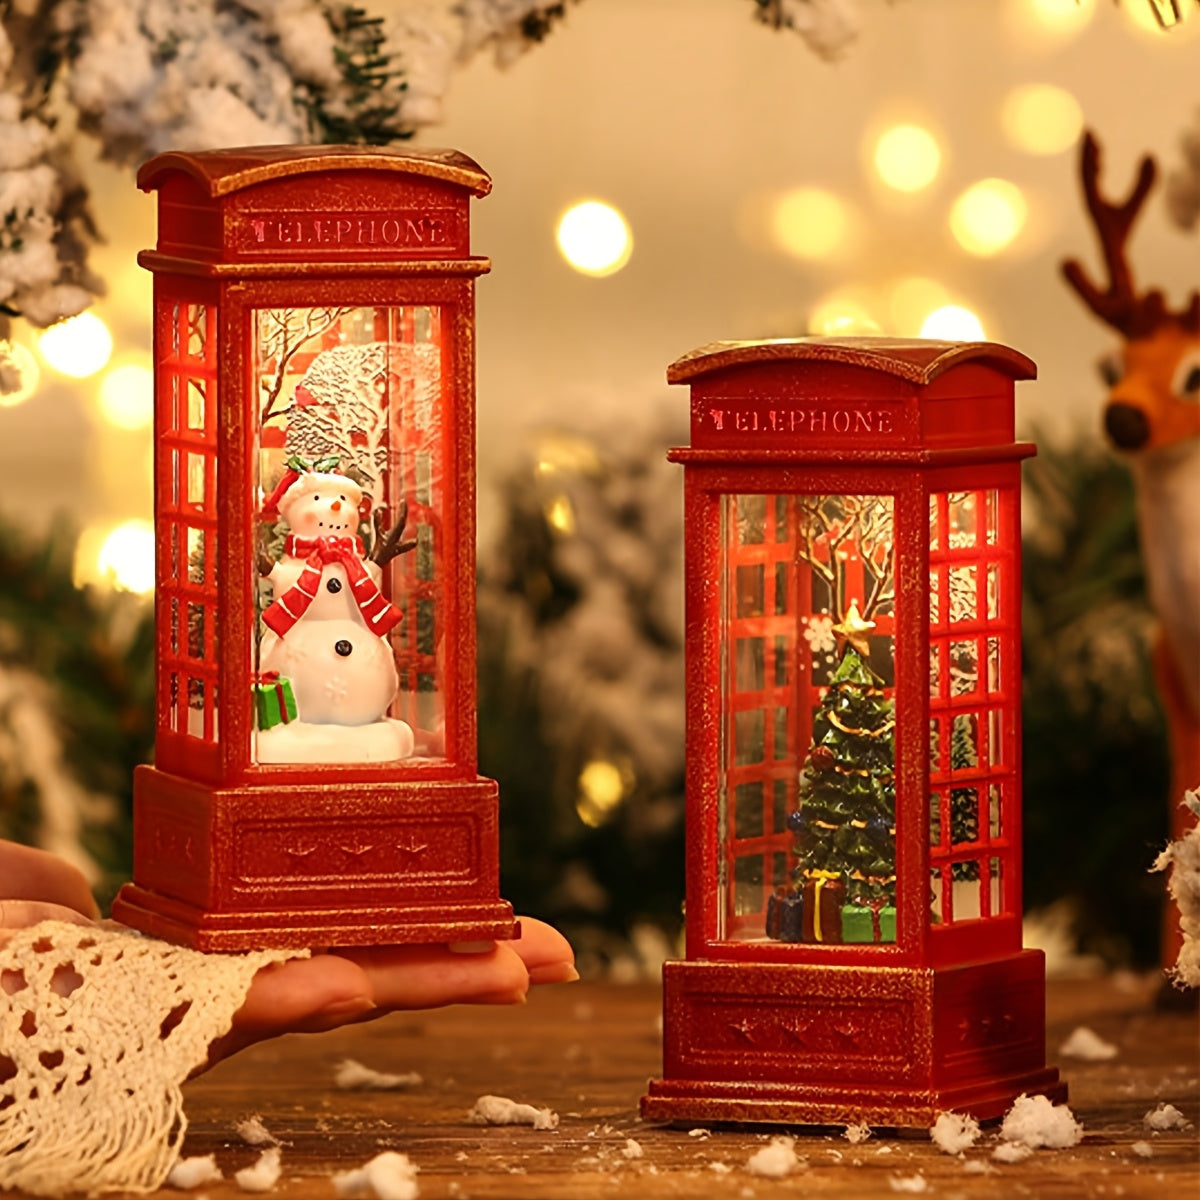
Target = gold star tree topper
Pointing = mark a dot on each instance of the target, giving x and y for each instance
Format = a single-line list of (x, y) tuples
[(854, 629)]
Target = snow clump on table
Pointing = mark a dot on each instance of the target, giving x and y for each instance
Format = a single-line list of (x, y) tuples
[(388, 1176), (952, 1132), (499, 1110), (775, 1160), (1034, 1121)]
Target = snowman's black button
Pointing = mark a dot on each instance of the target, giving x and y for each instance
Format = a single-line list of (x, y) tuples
[(333, 585), (343, 648)]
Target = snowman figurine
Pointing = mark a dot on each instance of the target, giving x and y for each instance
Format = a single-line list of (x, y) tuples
[(327, 624)]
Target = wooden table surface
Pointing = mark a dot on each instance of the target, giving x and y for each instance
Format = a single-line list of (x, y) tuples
[(586, 1051)]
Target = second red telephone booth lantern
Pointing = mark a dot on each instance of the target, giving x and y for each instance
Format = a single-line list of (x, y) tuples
[(315, 775), (853, 740)]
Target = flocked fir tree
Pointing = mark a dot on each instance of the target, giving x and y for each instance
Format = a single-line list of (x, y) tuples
[(140, 76), (845, 824), (76, 706), (581, 716)]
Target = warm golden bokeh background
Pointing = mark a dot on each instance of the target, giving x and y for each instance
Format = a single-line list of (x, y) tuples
[(767, 193)]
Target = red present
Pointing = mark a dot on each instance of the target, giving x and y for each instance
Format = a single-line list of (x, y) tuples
[(821, 914)]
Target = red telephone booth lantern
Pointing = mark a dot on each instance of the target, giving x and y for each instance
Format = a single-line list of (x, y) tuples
[(853, 741), (315, 775)]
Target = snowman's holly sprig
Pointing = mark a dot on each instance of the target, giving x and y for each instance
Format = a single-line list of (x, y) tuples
[(325, 466)]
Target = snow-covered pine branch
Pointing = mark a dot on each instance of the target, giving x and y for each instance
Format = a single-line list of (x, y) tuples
[(1183, 182), (143, 76)]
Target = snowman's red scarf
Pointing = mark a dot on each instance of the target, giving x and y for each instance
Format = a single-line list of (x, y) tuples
[(284, 611)]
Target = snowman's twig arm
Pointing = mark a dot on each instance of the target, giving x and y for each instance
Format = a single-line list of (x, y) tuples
[(388, 543)]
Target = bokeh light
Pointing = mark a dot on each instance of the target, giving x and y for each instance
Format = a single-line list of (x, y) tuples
[(907, 157), (953, 323), (560, 515), (127, 396), (842, 315), (602, 787), (120, 556), (1060, 16), (809, 222), (594, 238), (912, 299), (79, 346), (1040, 118), (1142, 16), (20, 372), (987, 217)]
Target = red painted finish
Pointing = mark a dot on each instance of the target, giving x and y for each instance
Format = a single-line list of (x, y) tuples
[(366, 247), (909, 445)]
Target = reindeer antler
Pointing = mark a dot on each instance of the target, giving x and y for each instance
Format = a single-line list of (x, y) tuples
[(1120, 306)]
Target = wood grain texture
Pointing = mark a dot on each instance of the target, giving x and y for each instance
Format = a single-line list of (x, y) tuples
[(587, 1050)]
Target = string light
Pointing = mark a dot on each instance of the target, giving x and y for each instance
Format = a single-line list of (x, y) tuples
[(907, 158), (842, 315), (987, 217), (127, 396), (79, 346), (594, 238), (1040, 118), (1158, 16), (560, 516), (810, 223), (120, 556), (602, 787), (953, 323), (1062, 16)]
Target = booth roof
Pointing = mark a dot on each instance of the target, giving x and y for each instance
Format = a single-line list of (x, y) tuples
[(916, 359), (221, 172)]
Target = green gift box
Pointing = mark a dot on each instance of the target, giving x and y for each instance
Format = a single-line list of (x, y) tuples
[(868, 923), (274, 702)]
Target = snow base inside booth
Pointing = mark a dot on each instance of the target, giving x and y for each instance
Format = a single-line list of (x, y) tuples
[(306, 742)]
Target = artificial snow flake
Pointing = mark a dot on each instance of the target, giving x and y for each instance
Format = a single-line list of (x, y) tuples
[(1165, 1116), (818, 633), (776, 1160), (499, 1110), (1012, 1152), (856, 1133), (1085, 1044), (914, 1184), (351, 1074), (827, 26), (253, 1132), (388, 1176), (262, 1175), (1034, 1121), (193, 1172), (952, 1133)]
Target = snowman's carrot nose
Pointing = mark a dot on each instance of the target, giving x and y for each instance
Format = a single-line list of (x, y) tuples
[(335, 506)]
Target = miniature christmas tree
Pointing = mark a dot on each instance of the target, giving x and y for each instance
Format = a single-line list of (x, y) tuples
[(845, 826)]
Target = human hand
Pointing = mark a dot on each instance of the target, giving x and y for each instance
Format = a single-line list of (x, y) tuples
[(358, 983), (330, 989)]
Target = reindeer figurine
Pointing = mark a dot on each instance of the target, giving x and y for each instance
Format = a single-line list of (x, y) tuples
[(1152, 416)]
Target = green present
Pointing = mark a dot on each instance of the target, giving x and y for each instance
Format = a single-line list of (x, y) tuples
[(274, 701), (872, 922)]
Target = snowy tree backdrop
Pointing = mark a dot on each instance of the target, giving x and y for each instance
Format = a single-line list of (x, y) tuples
[(581, 710)]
